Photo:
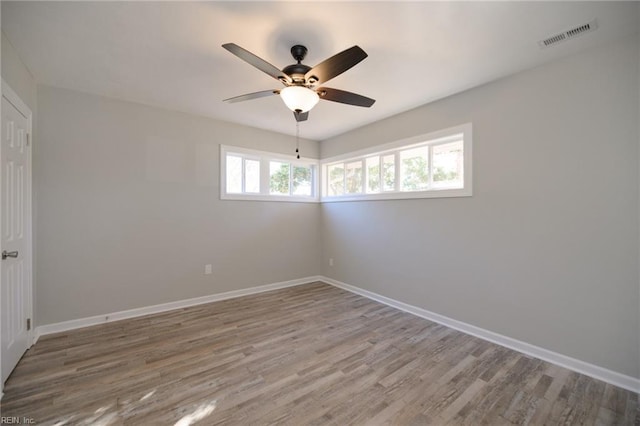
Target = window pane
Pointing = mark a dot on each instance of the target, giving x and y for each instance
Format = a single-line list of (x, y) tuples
[(251, 176), (414, 169), (389, 172), (302, 179), (335, 179), (373, 174), (354, 177), (279, 178), (448, 163), (234, 174)]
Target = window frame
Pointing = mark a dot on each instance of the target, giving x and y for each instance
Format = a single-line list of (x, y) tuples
[(439, 137), (265, 159)]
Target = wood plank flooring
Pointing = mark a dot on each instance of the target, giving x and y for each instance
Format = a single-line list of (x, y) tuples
[(306, 355)]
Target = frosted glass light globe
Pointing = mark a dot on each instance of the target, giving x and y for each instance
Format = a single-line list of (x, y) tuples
[(298, 98)]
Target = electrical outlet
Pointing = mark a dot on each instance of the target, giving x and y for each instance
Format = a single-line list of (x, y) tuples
[(208, 269), (331, 261)]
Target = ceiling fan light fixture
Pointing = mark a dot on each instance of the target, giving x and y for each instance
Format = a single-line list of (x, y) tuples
[(299, 98)]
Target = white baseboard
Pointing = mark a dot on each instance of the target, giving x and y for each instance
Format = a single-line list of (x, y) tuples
[(600, 373), (137, 312)]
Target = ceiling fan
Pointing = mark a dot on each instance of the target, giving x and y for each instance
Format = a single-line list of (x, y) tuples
[(301, 91)]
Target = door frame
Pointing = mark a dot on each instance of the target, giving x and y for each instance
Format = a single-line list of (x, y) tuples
[(10, 95)]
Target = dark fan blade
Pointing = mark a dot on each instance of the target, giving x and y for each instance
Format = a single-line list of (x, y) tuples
[(257, 62), (301, 116), (335, 95), (254, 95), (335, 65)]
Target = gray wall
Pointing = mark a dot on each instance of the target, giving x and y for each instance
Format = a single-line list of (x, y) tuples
[(16, 74), (129, 213), (546, 250)]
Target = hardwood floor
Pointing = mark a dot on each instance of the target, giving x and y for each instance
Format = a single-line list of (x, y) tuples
[(311, 354)]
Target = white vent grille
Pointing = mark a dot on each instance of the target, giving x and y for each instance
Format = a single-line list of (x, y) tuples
[(569, 34)]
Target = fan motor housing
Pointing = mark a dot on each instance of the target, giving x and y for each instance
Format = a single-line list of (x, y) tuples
[(296, 71)]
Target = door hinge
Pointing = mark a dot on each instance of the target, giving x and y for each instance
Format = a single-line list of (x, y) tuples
[(28, 324), (28, 138)]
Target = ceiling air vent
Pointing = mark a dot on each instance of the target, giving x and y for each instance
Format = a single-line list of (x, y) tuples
[(569, 34)]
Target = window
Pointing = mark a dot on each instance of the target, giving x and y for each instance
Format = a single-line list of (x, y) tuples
[(353, 177), (433, 165), (243, 175), (335, 175), (256, 175), (414, 169), (279, 178)]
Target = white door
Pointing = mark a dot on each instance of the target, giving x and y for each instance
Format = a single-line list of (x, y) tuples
[(15, 241)]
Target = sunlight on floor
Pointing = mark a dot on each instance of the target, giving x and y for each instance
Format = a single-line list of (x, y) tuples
[(102, 416), (104, 420), (113, 413), (65, 421), (148, 395), (200, 413)]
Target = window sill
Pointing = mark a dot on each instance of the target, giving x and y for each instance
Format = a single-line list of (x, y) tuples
[(409, 195), (276, 198)]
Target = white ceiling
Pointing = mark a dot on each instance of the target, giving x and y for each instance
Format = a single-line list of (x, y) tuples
[(169, 54)]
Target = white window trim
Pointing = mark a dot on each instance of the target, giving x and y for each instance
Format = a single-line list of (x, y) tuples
[(433, 138), (265, 157)]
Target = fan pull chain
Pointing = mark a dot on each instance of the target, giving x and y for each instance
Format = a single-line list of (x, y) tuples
[(298, 139)]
